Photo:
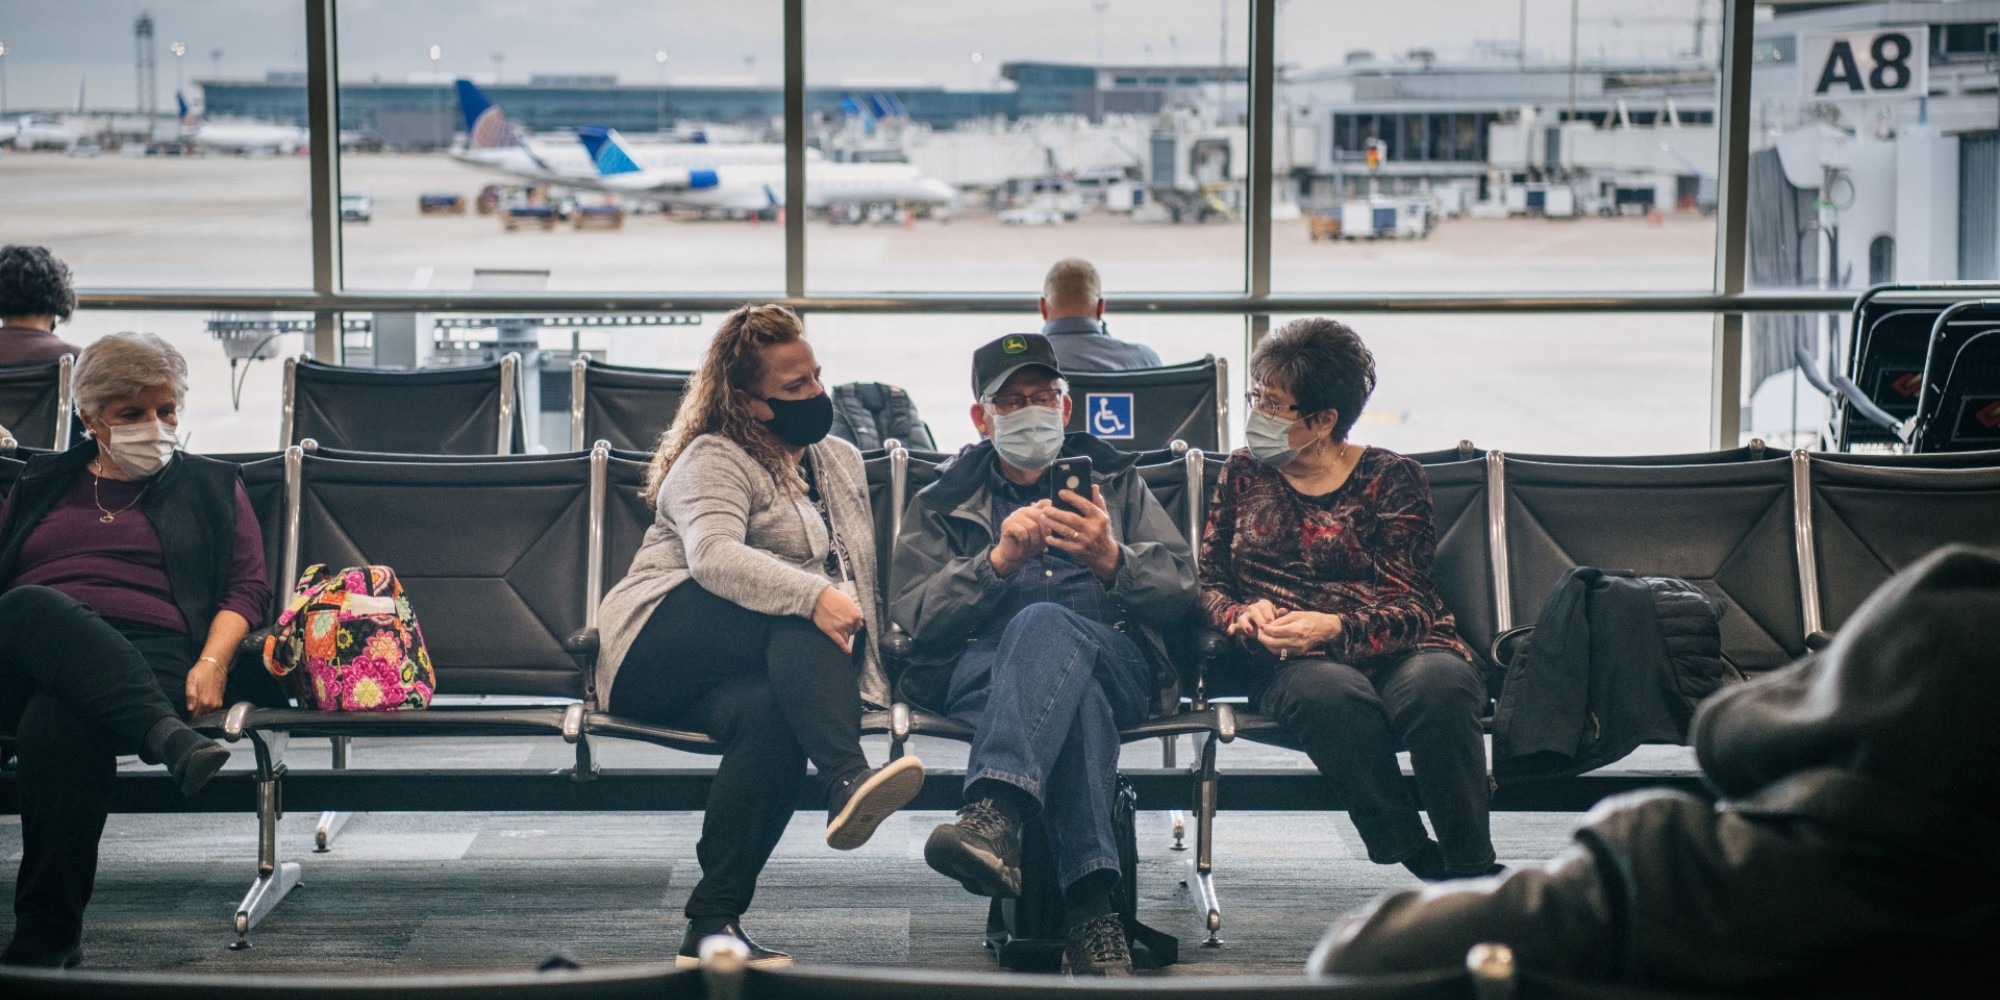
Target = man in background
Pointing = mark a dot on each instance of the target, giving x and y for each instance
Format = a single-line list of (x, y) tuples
[(1073, 319)]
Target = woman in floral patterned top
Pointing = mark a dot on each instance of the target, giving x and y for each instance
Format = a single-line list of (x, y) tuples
[(1317, 561)]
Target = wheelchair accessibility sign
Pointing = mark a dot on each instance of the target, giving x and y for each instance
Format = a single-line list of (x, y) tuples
[(1108, 414)]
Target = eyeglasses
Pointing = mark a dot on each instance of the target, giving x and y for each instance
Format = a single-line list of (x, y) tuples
[(1263, 403), (1012, 401)]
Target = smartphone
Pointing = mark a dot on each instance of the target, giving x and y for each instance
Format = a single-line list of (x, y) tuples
[(1071, 474)]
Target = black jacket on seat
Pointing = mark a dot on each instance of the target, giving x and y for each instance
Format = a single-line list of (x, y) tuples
[(1616, 660), (1852, 850)]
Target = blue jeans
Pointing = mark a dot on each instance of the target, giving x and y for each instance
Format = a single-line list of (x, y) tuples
[(1046, 700)]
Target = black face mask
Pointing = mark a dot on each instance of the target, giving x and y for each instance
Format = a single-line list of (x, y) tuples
[(801, 422)]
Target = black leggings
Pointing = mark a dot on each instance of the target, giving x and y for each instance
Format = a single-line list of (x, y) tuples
[(75, 691), (775, 691)]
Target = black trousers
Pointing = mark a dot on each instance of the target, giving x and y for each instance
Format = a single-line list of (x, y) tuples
[(775, 691), (76, 691), (1351, 723)]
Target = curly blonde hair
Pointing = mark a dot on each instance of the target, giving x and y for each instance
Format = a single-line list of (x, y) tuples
[(734, 361)]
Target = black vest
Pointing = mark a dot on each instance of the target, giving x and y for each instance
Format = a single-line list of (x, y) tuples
[(191, 503)]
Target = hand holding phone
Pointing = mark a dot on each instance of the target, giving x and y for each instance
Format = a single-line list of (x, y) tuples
[(1072, 474), (1077, 522)]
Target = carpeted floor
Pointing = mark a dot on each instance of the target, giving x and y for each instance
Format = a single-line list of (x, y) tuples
[(436, 892)]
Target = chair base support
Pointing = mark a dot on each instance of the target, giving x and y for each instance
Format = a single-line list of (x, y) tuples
[(330, 824), (264, 896), (1201, 889)]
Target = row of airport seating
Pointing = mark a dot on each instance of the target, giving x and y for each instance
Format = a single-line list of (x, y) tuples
[(475, 410), (1918, 369), (506, 558)]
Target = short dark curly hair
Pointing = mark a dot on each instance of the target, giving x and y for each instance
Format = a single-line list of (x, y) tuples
[(34, 283), (1323, 364)]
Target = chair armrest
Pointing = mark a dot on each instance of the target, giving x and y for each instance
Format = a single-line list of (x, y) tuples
[(898, 645), (251, 649), (1501, 649), (1209, 643), (582, 642)]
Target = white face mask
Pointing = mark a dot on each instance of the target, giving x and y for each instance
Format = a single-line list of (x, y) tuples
[(143, 449), (1030, 438), (1270, 439)]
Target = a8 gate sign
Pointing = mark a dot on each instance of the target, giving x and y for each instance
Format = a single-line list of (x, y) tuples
[(1887, 62)]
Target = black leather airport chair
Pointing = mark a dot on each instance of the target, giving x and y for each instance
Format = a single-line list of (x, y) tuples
[(1871, 521), (1960, 410), (1899, 359), (1728, 529), (10, 470), (1908, 460), (471, 410), (729, 978), (35, 405), (628, 407), (1147, 409), (1755, 451), (626, 982), (1464, 452), (492, 556)]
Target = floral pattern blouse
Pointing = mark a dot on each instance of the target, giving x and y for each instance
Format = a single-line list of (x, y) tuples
[(1363, 552)]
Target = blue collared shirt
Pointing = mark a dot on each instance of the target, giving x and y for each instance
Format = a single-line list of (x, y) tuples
[(1081, 345)]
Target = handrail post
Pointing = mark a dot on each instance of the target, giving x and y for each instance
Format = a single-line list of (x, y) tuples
[(323, 125), (1732, 225)]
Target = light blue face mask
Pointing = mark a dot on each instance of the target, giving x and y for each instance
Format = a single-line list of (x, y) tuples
[(1270, 439), (1030, 438)]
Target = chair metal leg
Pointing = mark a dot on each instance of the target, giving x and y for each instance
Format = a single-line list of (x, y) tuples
[(274, 879), (332, 820), (1168, 746), (1201, 867)]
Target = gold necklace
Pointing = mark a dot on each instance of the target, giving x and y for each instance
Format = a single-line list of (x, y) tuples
[(111, 515)]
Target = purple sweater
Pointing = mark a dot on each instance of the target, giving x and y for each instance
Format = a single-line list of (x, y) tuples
[(21, 346), (119, 569)]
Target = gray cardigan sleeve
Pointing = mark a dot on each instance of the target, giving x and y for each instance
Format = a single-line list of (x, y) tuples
[(710, 495)]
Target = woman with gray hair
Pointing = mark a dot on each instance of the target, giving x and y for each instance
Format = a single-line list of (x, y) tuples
[(129, 572)]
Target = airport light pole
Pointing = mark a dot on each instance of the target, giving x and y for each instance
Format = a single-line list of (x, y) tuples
[(1097, 81), (437, 96), (660, 92), (179, 49), (3, 78), (498, 58)]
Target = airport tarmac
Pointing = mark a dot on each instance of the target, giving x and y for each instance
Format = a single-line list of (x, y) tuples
[(1585, 384)]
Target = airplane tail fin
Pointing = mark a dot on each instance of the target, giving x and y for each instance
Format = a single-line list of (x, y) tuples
[(485, 126), (187, 113), (607, 149)]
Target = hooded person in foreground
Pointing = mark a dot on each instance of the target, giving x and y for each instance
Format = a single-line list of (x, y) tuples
[(1855, 843)]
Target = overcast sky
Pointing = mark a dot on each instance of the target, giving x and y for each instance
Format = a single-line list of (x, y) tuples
[(55, 45)]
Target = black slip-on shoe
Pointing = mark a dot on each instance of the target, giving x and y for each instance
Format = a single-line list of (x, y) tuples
[(689, 956), (982, 851), (861, 803)]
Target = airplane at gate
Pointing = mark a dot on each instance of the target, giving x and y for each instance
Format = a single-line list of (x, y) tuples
[(757, 187), (494, 143), (245, 137)]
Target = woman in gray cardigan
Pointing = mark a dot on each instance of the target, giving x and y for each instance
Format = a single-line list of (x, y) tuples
[(751, 611)]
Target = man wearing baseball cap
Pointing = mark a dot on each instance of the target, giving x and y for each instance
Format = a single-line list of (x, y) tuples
[(1044, 629)]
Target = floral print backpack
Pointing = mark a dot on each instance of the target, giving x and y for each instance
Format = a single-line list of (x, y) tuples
[(359, 644)]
